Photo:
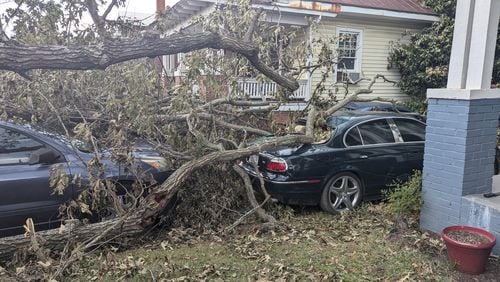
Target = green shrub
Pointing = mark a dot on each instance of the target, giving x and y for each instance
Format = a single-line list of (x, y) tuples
[(406, 198)]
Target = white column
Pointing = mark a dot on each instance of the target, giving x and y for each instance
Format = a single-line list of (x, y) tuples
[(457, 74), (483, 43)]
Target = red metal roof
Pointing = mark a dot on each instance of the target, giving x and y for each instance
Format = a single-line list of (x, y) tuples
[(409, 6)]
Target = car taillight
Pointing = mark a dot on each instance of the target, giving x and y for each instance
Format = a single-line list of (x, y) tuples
[(276, 165)]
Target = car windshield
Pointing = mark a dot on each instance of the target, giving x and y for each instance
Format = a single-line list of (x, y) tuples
[(73, 143)]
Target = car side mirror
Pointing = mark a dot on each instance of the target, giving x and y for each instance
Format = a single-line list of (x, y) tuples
[(43, 156)]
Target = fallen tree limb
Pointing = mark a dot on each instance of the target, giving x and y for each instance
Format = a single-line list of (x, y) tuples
[(161, 196), (145, 216), (209, 117), (259, 211), (21, 58)]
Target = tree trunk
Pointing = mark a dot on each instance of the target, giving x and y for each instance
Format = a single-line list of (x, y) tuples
[(21, 58)]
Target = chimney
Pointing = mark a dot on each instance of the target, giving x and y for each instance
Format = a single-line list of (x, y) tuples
[(160, 6)]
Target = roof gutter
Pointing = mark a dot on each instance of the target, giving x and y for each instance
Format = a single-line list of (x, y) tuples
[(278, 7), (352, 10)]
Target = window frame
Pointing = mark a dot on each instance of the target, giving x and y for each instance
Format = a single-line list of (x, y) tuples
[(391, 127), (359, 50), (359, 134)]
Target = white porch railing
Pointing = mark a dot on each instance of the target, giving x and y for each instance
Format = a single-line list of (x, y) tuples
[(256, 89)]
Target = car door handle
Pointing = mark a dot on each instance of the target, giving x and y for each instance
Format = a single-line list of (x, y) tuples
[(363, 157)]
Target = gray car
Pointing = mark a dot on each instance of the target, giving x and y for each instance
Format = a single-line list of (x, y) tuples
[(26, 159)]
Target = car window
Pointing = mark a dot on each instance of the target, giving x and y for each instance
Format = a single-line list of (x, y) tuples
[(16, 148), (410, 130), (376, 132), (353, 138)]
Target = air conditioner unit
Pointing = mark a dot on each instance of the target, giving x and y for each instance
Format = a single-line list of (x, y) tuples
[(353, 76)]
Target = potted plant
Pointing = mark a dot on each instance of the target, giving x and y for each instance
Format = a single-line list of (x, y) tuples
[(468, 247)]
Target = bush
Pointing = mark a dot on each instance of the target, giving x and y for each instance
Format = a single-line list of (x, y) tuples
[(424, 57), (406, 198)]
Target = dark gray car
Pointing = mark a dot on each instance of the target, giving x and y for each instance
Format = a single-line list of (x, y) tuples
[(26, 158)]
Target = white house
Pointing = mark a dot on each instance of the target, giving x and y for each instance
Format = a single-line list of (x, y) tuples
[(366, 29)]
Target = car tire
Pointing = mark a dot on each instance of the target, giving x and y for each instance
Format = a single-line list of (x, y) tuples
[(342, 192)]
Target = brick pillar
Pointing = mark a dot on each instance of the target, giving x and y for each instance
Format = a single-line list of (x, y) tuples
[(459, 156)]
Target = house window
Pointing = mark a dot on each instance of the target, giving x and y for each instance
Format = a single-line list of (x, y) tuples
[(349, 54)]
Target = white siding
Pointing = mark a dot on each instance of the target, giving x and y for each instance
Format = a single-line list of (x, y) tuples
[(376, 41)]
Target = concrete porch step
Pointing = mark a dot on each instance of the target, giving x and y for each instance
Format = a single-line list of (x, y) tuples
[(476, 210)]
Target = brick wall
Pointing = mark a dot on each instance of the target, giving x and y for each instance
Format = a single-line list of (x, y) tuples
[(458, 158)]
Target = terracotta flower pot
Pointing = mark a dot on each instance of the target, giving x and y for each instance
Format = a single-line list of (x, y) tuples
[(469, 258)]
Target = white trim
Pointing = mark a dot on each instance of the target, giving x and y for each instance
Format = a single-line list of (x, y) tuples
[(345, 9), (482, 44), (459, 58), (387, 14), (282, 8), (285, 9), (359, 49), (463, 94)]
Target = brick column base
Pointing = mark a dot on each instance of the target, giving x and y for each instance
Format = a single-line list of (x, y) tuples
[(459, 157)]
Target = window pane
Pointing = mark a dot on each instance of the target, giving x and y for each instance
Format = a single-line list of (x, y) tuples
[(353, 138), (376, 132), (15, 147), (346, 63), (347, 50), (411, 130)]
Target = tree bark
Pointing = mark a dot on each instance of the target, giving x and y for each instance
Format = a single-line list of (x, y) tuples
[(21, 58), (55, 239)]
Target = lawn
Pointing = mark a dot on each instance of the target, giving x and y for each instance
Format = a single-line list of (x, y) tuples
[(359, 246)]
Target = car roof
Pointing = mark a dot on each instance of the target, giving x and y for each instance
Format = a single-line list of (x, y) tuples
[(376, 106), (344, 117)]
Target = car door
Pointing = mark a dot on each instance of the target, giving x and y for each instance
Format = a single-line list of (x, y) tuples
[(25, 191), (373, 154), (412, 133)]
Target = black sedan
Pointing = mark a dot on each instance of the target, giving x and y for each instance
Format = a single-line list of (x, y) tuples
[(366, 152), (26, 159)]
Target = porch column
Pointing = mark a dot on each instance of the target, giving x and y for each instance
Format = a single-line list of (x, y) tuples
[(461, 128)]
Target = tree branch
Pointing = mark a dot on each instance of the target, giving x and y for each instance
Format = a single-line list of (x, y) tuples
[(94, 13), (249, 34), (354, 96), (160, 197), (209, 117), (109, 9), (229, 101), (21, 58), (3, 35), (261, 213)]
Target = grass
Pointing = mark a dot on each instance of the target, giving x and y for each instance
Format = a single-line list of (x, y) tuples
[(357, 246)]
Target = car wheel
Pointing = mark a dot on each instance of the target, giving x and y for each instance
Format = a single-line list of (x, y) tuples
[(342, 192)]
